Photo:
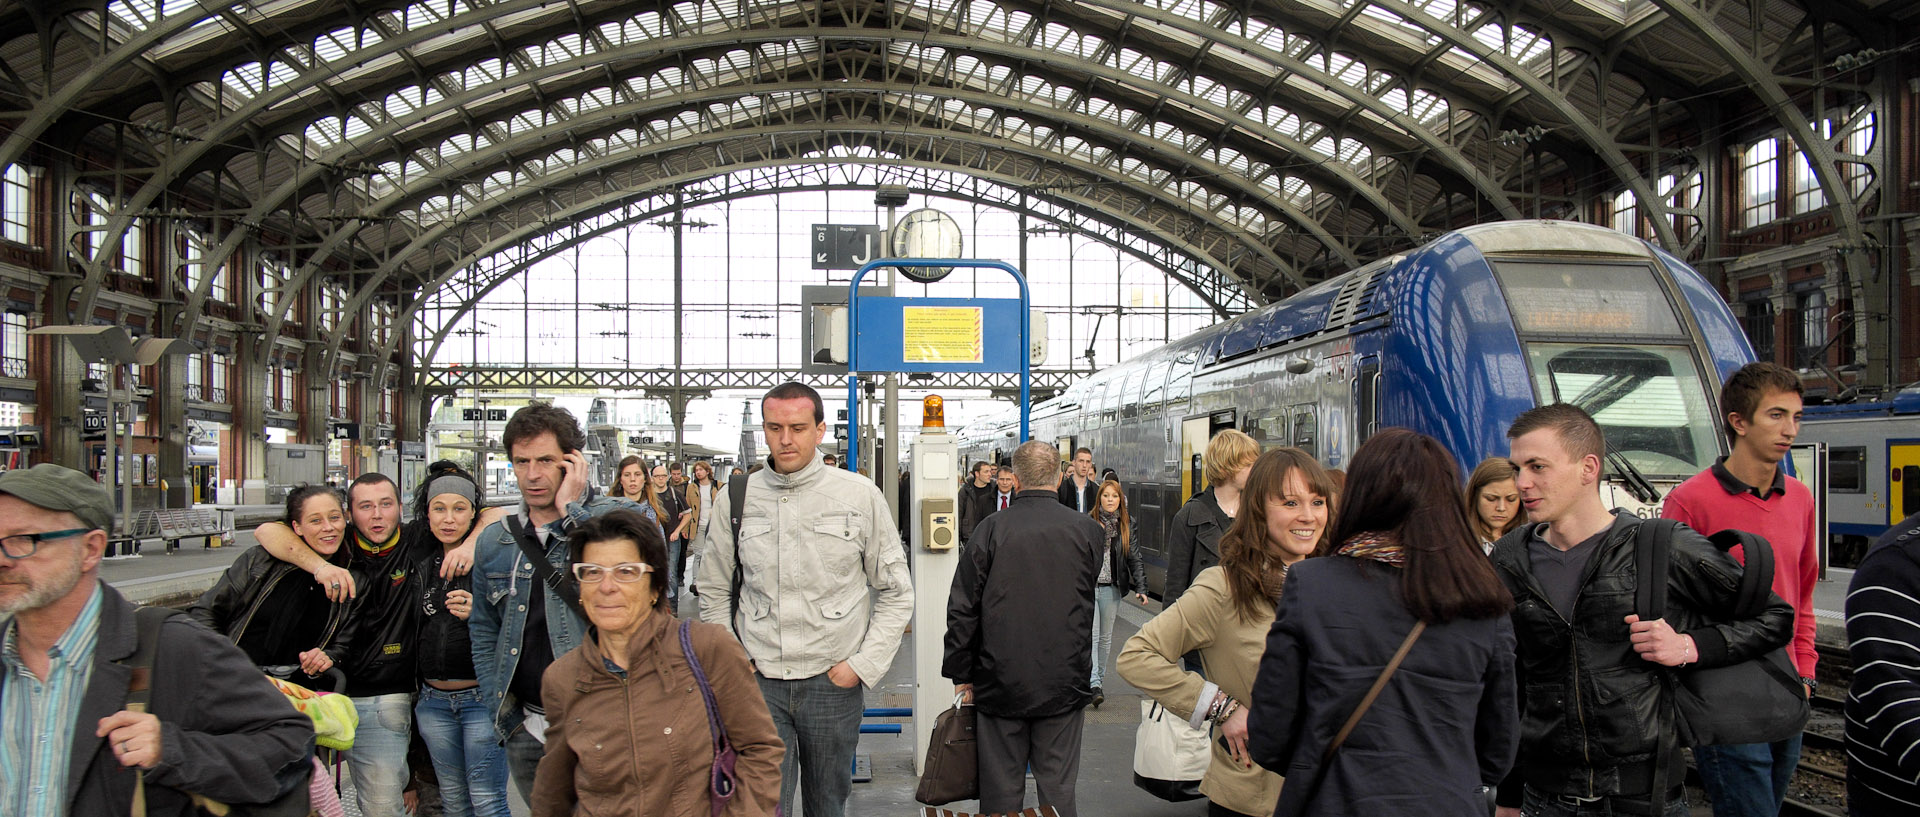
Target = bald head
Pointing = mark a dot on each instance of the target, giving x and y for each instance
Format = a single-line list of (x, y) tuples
[(1037, 465)]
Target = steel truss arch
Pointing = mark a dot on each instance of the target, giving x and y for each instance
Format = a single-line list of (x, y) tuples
[(434, 235), (491, 280), (1127, 233)]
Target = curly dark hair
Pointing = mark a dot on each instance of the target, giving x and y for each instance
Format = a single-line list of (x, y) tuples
[(541, 418)]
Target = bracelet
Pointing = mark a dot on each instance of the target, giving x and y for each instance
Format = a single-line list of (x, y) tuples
[(1227, 711), (1219, 705)]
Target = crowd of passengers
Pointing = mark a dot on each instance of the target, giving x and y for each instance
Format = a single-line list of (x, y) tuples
[(543, 644)]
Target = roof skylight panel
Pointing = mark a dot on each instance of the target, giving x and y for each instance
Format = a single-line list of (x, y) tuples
[(1399, 24), (333, 45)]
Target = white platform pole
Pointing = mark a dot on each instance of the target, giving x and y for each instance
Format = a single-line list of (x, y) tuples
[(936, 474)]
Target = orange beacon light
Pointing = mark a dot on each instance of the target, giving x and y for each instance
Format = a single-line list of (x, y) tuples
[(933, 412)]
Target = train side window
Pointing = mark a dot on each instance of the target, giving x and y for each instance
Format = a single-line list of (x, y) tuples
[(1305, 430), (1269, 430), (1847, 470)]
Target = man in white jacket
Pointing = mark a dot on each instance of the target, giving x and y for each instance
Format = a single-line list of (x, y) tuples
[(813, 541)]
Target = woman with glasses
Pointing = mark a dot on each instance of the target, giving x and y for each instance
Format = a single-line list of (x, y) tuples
[(269, 608), (455, 724), (629, 729)]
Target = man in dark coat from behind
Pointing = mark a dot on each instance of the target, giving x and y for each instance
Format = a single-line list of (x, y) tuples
[(1017, 625)]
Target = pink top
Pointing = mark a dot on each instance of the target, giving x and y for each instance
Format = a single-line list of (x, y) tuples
[(1714, 500)]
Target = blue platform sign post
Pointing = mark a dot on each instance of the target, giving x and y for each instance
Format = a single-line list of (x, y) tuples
[(892, 334)]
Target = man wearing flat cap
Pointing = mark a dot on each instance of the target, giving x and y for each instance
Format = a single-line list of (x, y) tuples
[(69, 745)]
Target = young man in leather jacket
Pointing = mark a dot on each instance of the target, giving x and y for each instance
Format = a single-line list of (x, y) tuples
[(1591, 694)]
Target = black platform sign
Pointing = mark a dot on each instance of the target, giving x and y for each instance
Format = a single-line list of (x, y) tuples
[(845, 246)]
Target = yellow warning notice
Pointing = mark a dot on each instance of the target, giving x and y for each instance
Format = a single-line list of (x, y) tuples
[(941, 334)]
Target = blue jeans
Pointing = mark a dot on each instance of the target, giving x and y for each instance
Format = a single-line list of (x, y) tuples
[(1106, 605), (471, 764), (1748, 779), (820, 723), (378, 759), (523, 759), (1536, 803), (674, 549)]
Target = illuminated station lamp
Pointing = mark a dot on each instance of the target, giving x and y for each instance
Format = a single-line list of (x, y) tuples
[(933, 412)]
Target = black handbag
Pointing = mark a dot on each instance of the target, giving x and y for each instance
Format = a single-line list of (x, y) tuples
[(1772, 703), (953, 762)]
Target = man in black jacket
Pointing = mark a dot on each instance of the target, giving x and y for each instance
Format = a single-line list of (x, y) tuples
[(1591, 695), (1016, 645), (1080, 489), (976, 499), (380, 669)]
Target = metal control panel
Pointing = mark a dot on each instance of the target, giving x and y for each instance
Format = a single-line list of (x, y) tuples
[(938, 524)]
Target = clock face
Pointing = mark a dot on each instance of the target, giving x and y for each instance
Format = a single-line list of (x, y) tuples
[(926, 233)]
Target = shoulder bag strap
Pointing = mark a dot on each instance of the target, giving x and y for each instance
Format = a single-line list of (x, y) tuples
[(558, 585), (147, 622), (1379, 684), (1353, 720), (714, 726), (736, 507)]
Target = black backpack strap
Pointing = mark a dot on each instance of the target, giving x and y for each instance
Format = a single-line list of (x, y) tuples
[(1652, 553), (147, 622), (736, 508), (1756, 580), (557, 584)]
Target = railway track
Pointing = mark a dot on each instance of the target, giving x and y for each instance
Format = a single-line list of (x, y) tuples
[(1823, 752)]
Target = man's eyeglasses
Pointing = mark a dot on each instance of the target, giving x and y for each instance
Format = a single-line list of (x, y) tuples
[(22, 545), (625, 572)]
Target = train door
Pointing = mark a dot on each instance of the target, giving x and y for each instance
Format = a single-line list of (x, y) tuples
[(1366, 400), (1194, 433), (1065, 447), (1903, 479)]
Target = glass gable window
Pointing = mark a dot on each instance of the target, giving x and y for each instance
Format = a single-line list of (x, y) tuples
[(1759, 182), (16, 204)]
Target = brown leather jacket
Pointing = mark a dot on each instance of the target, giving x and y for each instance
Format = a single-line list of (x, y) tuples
[(640, 745)]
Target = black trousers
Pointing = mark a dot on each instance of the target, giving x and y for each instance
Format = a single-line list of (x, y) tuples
[(1007, 746)]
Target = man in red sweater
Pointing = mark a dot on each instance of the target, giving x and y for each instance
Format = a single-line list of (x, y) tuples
[(1746, 490)]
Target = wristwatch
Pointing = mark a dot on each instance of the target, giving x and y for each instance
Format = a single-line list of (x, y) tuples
[(1812, 685)]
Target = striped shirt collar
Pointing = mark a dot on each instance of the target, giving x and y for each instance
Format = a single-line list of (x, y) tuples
[(37, 728)]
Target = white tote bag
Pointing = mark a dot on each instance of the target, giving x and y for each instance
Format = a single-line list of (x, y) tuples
[(1169, 756)]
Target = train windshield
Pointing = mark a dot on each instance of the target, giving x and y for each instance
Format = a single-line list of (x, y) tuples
[(1649, 400)]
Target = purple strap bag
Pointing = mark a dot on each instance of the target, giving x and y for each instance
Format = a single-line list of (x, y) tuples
[(723, 784)]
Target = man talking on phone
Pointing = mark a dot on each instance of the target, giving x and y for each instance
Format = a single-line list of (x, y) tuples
[(526, 612)]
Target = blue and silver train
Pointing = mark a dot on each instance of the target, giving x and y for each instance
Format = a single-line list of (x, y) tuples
[(1873, 468), (1453, 339)]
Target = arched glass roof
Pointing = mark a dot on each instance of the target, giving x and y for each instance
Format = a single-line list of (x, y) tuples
[(1247, 149)]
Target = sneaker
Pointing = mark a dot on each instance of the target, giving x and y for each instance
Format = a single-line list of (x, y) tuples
[(1099, 697)]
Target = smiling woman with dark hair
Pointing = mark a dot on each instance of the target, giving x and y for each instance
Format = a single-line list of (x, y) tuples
[(634, 678)]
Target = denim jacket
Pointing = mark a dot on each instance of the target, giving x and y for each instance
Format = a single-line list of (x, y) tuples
[(502, 579)]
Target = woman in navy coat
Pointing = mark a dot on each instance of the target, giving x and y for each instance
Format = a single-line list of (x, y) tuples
[(1447, 722)]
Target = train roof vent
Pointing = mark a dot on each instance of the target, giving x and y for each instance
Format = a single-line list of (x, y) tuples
[(1356, 296)]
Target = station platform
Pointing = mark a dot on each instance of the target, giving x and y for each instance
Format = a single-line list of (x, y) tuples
[(159, 576), (1830, 606)]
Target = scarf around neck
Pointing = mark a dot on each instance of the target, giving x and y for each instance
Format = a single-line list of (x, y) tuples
[(1110, 521), (1378, 547)]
